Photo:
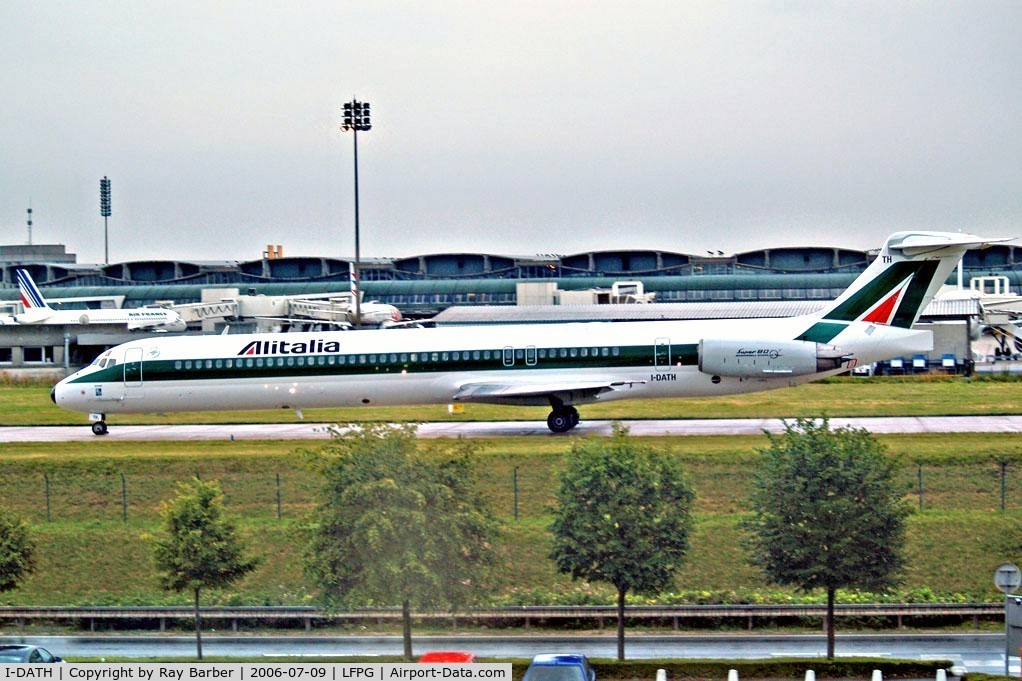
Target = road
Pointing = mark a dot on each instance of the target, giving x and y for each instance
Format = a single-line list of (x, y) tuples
[(491, 429), (974, 652)]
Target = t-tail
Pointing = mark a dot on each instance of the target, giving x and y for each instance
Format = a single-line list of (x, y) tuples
[(893, 291), (31, 298)]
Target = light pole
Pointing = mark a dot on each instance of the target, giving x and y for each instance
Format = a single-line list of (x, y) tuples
[(104, 210), (356, 118)]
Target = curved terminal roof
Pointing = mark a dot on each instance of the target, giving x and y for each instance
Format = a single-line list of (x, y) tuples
[(457, 265), (803, 259), (435, 281), (627, 262), (995, 257), (296, 268)]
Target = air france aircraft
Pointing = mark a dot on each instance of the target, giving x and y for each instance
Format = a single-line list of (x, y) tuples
[(136, 319), (555, 365), (371, 313)]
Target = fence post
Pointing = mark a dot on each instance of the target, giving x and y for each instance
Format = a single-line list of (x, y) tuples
[(920, 487), (1004, 472), (278, 496), (516, 491)]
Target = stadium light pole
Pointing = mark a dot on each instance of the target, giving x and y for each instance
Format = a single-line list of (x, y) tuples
[(104, 210), (356, 119)]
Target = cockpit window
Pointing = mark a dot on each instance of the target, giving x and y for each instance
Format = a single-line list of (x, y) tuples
[(103, 362)]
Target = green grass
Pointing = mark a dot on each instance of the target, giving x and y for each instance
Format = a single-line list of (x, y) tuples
[(29, 404), (89, 555), (72, 494)]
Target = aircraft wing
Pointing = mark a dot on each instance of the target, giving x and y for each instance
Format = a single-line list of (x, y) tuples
[(141, 326), (33, 316), (524, 392)]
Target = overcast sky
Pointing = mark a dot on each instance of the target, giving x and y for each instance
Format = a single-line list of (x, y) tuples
[(507, 127)]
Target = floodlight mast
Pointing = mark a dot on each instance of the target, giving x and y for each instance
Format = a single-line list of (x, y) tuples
[(356, 118), (104, 210)]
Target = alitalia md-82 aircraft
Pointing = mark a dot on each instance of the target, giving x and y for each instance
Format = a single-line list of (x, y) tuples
[(555, 365), (37, 311)]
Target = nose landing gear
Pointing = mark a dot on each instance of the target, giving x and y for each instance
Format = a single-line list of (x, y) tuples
[(98, 424)]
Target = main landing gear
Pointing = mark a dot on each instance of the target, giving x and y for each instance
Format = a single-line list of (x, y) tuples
[(562, 419)]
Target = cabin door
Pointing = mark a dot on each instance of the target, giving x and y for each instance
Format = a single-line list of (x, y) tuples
[(662, 354), (132, 372)]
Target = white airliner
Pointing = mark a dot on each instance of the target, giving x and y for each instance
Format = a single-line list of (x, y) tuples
[(136, 319), (378, 314), (555, 365)]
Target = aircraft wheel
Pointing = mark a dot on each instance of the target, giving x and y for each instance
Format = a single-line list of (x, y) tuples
[(561, 420), (99, 428), (574, 416)]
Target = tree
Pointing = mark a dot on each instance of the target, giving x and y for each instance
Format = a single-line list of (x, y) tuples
[(397, 524), (623, 517), (826, 512), (198, 547), (17, 551)]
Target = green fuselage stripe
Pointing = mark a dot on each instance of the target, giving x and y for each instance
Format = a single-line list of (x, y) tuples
[(822, 332), (381, 364)]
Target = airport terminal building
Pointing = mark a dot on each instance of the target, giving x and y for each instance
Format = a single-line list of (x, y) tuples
[(426, 285)]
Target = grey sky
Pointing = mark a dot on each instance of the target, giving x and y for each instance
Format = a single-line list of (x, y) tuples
[(507, 127)]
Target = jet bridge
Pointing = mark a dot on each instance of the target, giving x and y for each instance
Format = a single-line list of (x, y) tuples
[(268, 312), (334, 310), (1002, 314)]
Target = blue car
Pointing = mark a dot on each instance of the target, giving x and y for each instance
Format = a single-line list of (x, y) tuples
[(560, 667)]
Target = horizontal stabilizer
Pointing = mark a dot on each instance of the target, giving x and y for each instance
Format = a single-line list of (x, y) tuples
[(918, 243)]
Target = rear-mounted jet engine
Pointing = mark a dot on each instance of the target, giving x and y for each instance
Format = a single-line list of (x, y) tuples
[(761, 358)]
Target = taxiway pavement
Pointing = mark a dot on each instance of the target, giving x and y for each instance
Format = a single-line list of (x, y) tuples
[(493, 429)]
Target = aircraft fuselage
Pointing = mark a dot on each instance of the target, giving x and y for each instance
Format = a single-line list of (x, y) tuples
[(430, 366)]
